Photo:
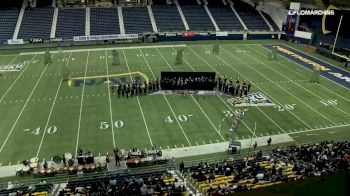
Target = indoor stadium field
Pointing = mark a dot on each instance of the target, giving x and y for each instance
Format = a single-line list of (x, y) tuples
[(43, 115)]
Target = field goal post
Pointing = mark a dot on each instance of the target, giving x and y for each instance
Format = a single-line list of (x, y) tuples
[(335, 42)]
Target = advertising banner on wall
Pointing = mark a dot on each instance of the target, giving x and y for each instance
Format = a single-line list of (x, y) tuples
[(105, 37), (222, 33), (15, 41), (188, 34)]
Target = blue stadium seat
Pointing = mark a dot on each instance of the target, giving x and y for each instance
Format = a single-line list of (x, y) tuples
[(272, 23), (8, 20), (136, 20), (197, 18), (36, 23), (104, 21), (70, 22), (167, 18), (250, 17), (225, 18)]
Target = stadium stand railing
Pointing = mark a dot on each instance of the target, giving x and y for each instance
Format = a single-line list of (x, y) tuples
[(167, 18), (250, 17), (233, 173), (272, 23), (197, 18), (225, 18)]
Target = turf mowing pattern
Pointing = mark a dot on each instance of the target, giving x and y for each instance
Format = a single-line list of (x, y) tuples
[(91, 117)]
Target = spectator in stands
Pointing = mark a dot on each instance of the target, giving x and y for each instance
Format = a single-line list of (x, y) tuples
[(117, 159), (182, 166)]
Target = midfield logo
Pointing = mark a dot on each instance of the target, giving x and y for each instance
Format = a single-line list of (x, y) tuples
[(254, 99), (13, 67)]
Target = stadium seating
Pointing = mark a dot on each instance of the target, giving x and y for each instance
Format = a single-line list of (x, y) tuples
[(225, 18), (167, 18), (250, 17), (136, 20), (70, 22), (43, 3), (282, 165), (8, 20), (104, 21), (39, 189), (151, 183), (31, 28), (272, 23), (197, 18)]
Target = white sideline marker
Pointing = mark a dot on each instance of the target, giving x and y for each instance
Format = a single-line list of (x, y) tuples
[(175, 146), (81, 106), (168, 147), (197, 143), (9, 163), (203, 142)]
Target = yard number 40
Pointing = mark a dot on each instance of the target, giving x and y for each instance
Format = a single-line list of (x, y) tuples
[(50, 130)]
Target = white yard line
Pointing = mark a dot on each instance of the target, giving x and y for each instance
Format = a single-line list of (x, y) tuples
[(81, 106), (25, 104), (217, 95), (110, 101), (295, 97), (171, 109), (271, 119), (194, 98), (329, 90), (212, 124), (48, 120), (138, 101), (51, 110), (144, 120), (319, 129), (226, 103), (282, 75), (228, 65), (14, 82)]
